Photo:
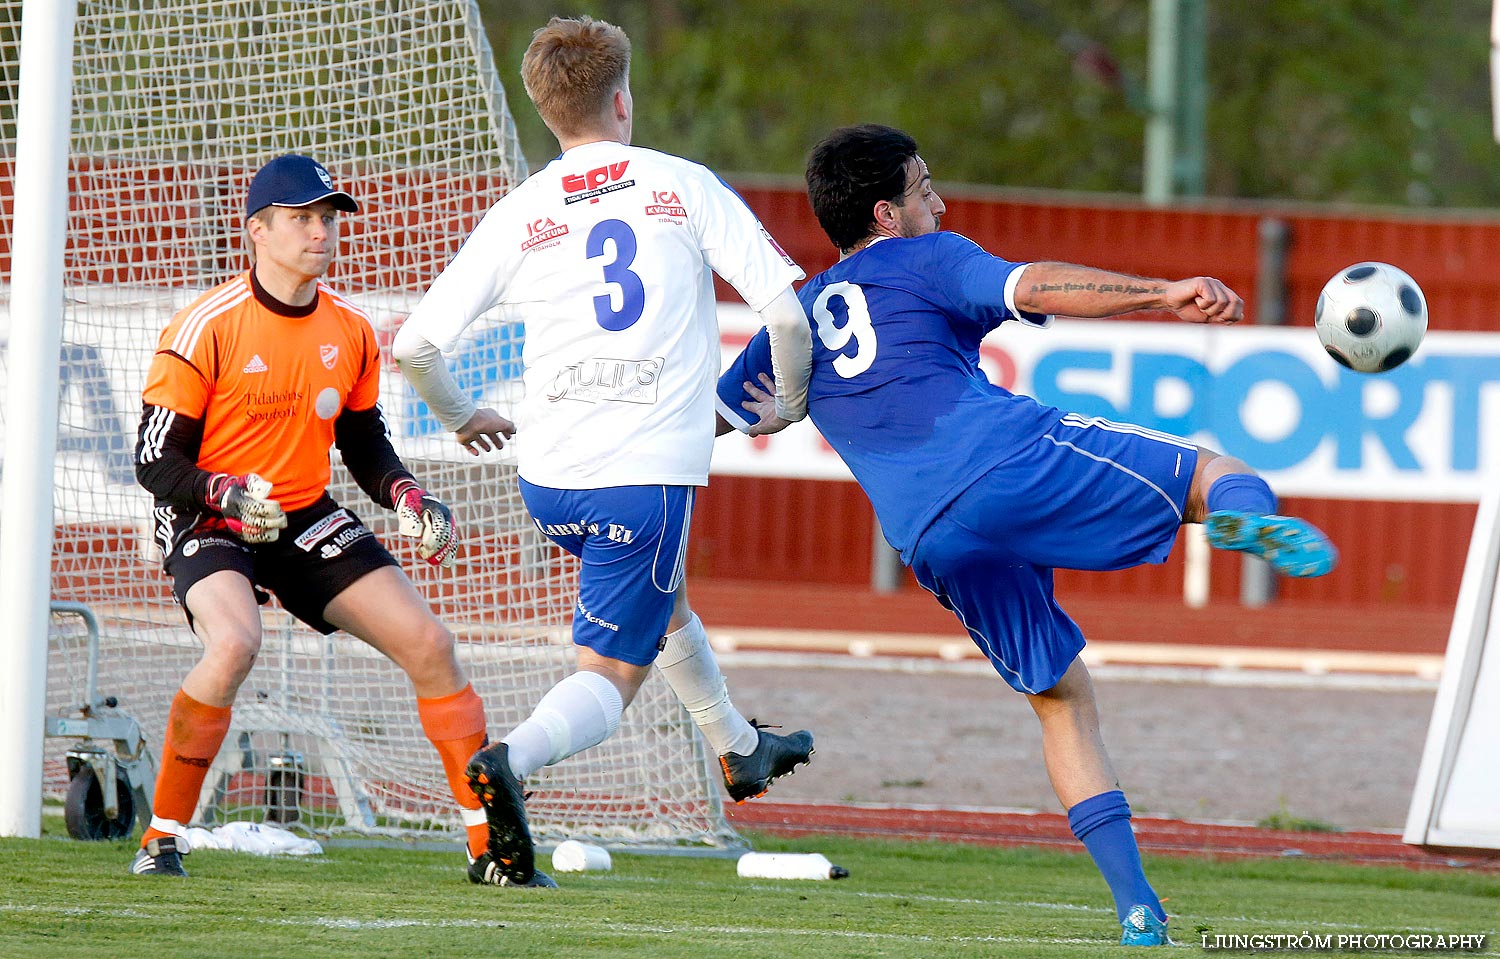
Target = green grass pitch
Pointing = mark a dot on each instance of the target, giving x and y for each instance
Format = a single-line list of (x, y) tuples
[(60, 898)]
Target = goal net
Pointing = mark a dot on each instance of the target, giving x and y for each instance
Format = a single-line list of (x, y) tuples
[(175, 104)]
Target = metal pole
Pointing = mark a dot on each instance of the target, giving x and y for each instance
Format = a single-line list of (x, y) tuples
[(1258, 584), (1161, 95), (44, 111), (885, 563), (1274, 241), (1196, 566), (1178, 85), (1192, 99)]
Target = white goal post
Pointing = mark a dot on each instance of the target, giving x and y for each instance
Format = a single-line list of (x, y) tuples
[(1495, 68), (38, 208), (175, 103), (1454, 802)]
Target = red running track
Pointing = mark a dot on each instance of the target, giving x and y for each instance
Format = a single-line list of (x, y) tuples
[(802, 606), (1159, 836)]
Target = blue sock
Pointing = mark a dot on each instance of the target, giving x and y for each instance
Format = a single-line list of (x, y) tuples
[(1244, 492), (1102, 824)]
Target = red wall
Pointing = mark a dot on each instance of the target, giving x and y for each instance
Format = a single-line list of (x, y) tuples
[(1452, 256), (821, 531), (142, 223)]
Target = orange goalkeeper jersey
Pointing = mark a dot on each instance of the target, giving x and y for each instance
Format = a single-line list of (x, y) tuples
[(267, 386)]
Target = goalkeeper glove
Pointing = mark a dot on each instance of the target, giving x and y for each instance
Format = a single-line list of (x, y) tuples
[(247, 507), (423, 515)]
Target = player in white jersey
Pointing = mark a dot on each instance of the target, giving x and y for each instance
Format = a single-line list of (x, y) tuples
[(607, 255)]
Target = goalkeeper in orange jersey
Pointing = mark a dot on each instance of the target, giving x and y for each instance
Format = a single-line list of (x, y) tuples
[(249, 388)]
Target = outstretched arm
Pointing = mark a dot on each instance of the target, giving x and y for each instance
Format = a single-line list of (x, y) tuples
[(1070, 290)]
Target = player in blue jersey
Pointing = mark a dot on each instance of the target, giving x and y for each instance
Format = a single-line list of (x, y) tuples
[(985, 492)]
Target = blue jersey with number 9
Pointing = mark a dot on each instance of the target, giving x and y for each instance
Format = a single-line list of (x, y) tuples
[(896, 387)]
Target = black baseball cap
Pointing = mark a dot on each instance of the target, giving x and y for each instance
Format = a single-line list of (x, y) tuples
[(294, 180)]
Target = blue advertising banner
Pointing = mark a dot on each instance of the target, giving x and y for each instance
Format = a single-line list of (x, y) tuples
[(1428, 430)]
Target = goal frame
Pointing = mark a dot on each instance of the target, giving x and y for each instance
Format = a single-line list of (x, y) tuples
[(1457, 761), (157, 128), (44, 115)]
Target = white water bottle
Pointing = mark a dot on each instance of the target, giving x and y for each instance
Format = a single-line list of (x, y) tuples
[(575, 856), (788, 865)]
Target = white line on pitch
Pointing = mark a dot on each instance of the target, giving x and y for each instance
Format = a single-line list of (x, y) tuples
[(577, 924)]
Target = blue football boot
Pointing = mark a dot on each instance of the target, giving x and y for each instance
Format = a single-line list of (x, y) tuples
[(1293, 547), (1142, 928)]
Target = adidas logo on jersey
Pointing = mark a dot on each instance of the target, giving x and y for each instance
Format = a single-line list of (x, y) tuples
[(256, 365)]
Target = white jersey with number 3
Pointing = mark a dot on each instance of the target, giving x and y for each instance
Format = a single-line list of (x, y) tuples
[(606, 254)]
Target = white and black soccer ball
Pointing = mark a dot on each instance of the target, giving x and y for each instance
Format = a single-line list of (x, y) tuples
[(1371, 317)]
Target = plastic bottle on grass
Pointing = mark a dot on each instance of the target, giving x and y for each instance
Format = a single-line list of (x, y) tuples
[(789, 865), (575, 856)]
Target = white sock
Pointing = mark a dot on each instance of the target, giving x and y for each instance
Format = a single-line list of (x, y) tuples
[(581, 711), (169, 825), (688, 664)]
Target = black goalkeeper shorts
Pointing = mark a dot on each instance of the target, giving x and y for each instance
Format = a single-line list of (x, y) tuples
[(321, 552)]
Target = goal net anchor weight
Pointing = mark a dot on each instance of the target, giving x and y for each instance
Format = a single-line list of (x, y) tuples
[(108, 787)]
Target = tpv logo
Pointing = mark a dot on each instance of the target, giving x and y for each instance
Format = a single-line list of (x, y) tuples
[(596, 182)]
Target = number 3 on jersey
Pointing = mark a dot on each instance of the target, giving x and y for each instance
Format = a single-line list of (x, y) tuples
[(856, 325), (617, 271)]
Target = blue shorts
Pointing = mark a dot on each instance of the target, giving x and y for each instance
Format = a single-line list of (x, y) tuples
[(1089, 494), (633, 544)]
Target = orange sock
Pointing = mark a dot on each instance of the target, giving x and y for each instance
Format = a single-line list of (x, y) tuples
[(455, 726), (195, 731)]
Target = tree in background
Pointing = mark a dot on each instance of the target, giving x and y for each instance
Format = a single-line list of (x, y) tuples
[(1363, 101)]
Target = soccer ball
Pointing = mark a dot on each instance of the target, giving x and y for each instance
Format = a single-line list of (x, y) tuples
[(1371, 317)]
